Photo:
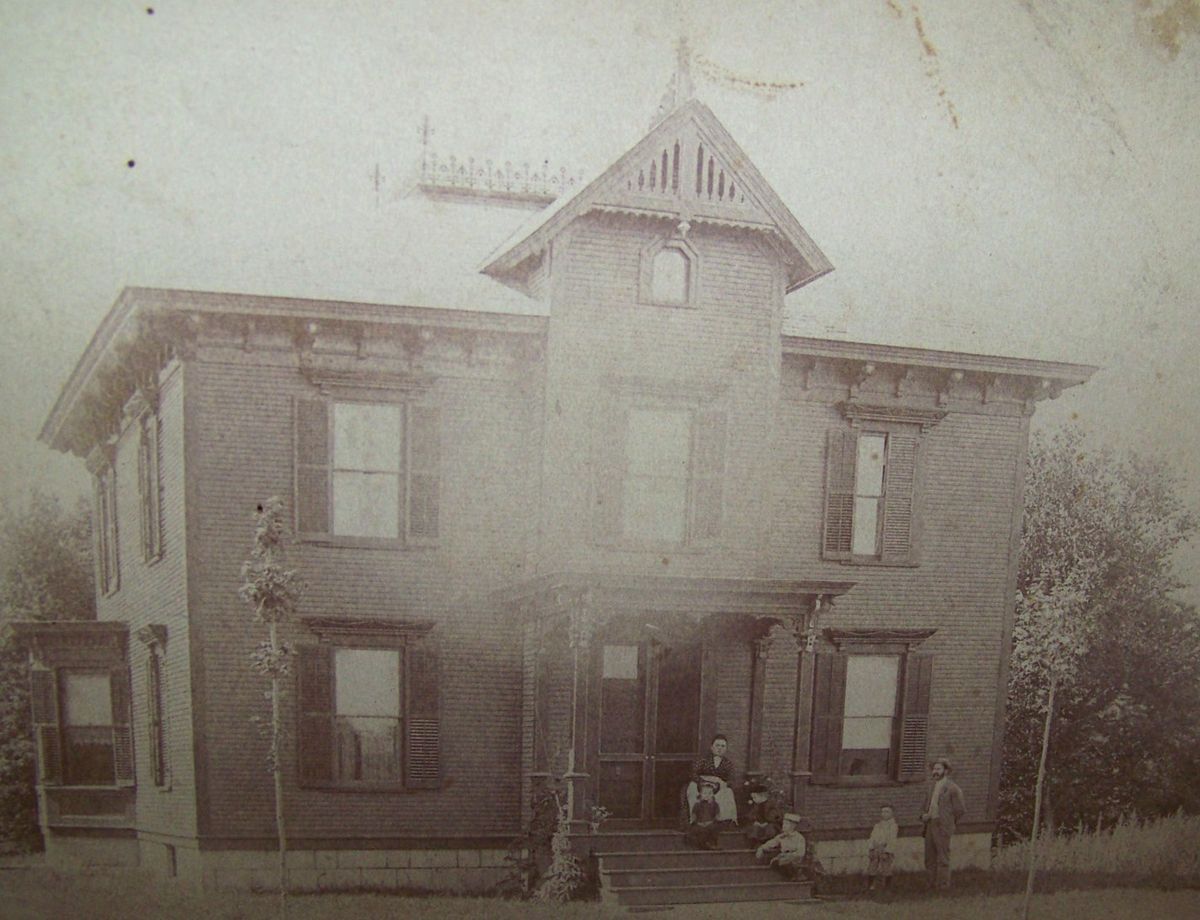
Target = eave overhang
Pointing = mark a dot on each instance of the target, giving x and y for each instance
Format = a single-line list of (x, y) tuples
[(694, 595), (140, 314), (1043, 379), (43, 635)]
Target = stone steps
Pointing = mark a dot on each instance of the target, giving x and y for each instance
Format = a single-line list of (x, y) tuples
[(643, 870)]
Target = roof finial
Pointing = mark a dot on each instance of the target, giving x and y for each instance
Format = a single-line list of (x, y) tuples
[(684, 88), (681, 89)]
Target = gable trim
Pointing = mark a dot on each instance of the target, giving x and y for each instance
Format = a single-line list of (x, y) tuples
[(807, 262)]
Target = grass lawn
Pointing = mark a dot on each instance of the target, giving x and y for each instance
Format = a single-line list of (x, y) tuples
[(41, 893)]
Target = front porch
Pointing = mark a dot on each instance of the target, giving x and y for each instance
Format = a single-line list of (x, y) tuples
[(628, 679)]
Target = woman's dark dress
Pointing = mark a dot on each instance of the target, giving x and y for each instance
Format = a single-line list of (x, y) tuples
[(705, 767)]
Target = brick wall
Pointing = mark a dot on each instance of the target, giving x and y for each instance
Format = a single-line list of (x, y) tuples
[(970, 462), (242, 453), (724, 349)]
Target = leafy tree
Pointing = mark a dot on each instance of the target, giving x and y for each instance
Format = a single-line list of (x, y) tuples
[(272, 590), (45, 574), (1097, 620)]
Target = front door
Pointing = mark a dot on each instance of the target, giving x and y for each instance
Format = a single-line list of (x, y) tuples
[(649, 728)]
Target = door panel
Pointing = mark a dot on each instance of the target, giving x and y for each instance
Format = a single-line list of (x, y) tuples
[(623, 700), (678, 703), (648, 733), (621, 789)]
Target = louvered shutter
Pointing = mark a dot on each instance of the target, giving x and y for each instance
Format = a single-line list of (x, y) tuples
[(829, 700), (608, 473), (44, 707), (123, 767), (899, 497), (315, 735), (914, 731), (312, 462), (424, 476), (840, 457), (423, 769), (708, 475)]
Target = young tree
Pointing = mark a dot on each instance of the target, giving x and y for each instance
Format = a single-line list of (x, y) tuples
[(272, 590), (1099, 643), (45, 574)]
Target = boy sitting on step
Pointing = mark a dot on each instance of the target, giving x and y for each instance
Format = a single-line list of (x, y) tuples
[(791, 846), (762, 815), (703, 831)]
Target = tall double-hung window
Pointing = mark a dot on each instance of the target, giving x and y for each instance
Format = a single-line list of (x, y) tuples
[(367, 470), (872, 495), (659, 470)]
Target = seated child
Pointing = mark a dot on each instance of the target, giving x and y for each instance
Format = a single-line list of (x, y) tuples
[(762, 816), (881, 849), (790, 843), (703, 831)]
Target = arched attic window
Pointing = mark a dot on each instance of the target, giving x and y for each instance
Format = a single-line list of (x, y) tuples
[(669, 269)]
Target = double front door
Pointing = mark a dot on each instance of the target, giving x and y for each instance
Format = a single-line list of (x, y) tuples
[(649, 724)]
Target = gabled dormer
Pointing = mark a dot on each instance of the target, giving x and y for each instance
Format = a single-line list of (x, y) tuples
[(687, 171)]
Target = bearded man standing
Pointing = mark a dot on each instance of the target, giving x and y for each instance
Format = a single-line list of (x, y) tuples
[(943, 810)]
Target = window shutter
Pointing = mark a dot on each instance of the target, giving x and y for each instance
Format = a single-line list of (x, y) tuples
[(44, 706), (312, 460), (840, 457), (914, 731), (898, 498), (122, 729), (154, 708), (829, 699), (423, 750), (149, 488), (424, 476), (708, 475), (608, 473), (315, 694)]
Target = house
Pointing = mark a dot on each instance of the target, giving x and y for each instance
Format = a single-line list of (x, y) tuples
[(560, 520)]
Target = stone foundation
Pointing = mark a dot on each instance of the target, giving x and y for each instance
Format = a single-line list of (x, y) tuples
[(455, 871), (71, 852)]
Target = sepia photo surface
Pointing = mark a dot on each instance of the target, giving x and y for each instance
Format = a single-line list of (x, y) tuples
[(531, 445)]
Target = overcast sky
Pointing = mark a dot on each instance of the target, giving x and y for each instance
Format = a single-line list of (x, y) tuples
[(1005, 176)]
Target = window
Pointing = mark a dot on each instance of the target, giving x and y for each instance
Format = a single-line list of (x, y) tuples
[(659, 474), (150, 489), (154, 718), (670, 276), (369, 712), (658, 447), (107, 559), (81, 724), (367, 470), (869, 714), (367, 715), (367, 446), (88, 728), (669, 272), (871, 709), (870, 496)]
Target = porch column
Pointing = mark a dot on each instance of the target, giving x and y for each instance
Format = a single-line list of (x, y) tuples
[(761, 647), (806, 641), (582, 629)]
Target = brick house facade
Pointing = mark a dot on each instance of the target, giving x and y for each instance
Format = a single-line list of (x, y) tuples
[(564, 543)]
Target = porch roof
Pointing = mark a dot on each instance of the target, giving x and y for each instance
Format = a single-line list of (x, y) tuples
[(699, 595)]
